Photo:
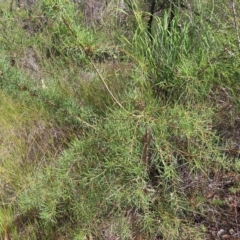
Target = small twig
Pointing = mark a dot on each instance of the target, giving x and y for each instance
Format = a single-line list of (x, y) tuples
[(236, 234), (160, 8), (211, 61), (235, 23), (92, 63), (146, 145), (31, 68)]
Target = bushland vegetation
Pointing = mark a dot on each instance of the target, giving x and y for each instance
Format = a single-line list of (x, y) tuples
[(119, 120)]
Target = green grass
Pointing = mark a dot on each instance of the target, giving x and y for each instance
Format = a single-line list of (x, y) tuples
[(107, 134)]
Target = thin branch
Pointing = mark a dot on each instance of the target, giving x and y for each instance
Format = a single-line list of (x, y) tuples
[(235, 23), (160, 8), (212, 61), (92, 63)]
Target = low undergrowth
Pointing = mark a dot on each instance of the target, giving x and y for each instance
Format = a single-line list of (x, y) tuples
[(109, 136)]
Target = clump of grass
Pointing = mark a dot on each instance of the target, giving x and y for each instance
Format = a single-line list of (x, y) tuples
[(110, 173), (123, 141)]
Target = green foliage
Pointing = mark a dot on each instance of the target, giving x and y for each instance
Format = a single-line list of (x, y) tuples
[(115, 131)]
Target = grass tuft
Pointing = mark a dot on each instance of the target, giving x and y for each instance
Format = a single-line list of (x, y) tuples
[(115, 130)]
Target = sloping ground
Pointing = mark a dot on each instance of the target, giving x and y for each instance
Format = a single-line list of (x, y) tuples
[(222, 217), (158, 160)]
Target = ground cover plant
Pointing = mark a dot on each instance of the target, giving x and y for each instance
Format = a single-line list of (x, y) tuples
[(119, 120)]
